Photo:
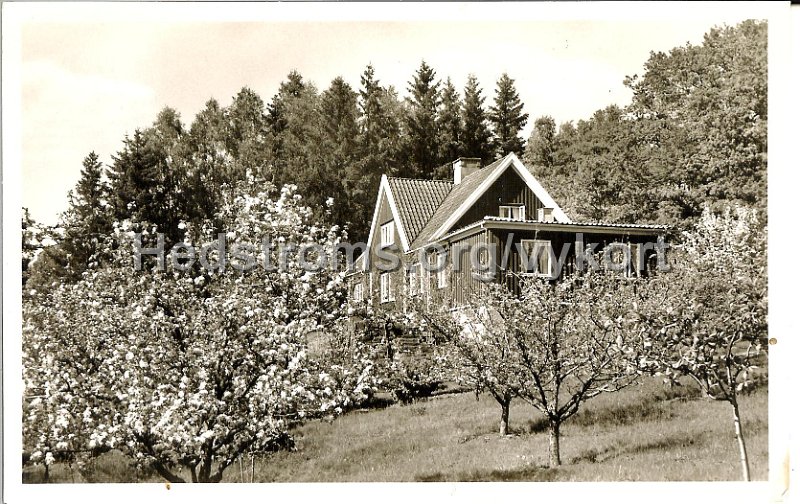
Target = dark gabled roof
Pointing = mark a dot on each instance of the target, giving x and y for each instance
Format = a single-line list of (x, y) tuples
[(417, 200), (457, 195)]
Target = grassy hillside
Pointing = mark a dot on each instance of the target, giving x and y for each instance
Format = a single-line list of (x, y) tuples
[(645, 433)]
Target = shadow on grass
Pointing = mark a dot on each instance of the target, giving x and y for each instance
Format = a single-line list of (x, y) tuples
[(377, 401), (648, 408), (611, 452), (110, 467), (529, 473)]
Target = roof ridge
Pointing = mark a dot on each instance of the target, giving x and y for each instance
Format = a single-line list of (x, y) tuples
[(420, 179)]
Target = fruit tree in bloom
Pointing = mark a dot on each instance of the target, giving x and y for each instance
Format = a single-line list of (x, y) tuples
[(186, 371)]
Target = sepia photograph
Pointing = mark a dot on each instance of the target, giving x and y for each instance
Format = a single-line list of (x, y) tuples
[(523, 244)]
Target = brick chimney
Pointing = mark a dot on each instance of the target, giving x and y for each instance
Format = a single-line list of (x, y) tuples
[(463, 166)]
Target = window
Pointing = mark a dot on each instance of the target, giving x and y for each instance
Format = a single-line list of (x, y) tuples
[(441, 271), (358, 292), (415, 280), (387, 234), (513, 212), (386, 288), (424, 281), (633, 264), (537, 257)]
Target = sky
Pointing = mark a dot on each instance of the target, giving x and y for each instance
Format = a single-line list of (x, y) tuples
[(86, 84)]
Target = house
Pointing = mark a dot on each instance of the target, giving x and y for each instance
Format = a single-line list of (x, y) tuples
[(488, 224)]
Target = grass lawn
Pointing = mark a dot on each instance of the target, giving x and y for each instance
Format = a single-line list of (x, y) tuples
[(644, 433)]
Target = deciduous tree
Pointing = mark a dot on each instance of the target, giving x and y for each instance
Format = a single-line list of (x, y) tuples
[(188, 369), (708, 318)]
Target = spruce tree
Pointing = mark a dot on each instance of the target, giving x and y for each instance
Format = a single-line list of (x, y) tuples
[(421, 123), (88, 221), (450, 128), (507, 117), (248, 139), (147, 179), (212, 166), (477, 138), (338, 116), (293, 121), (378, 149)]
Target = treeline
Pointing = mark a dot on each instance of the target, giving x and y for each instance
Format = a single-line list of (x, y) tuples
[(693, 135), (333, 145)]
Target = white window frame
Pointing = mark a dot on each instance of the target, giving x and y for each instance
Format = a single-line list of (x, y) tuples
[(441, 271), (510, 210), (358, 292), (632, 268), (415, 279), (538, 244), (424, 281), (387, 294), (387, 234)]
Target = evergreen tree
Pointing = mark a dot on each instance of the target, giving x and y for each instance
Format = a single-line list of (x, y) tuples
[(294, 126), (212, 166), (248, 137), (421, 123), (63, 254), (378, 149), (450, 129), (477, 138), (339, 120), (132, 175), (147, 178), (507, 117), (337, 150), (89, 219)]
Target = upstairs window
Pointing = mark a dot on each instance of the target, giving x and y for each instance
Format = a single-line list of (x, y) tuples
[(387, 234), (513, 212), (358, 292)]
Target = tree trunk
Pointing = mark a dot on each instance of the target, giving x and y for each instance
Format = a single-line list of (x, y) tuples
[(166, 474), (555, 454), (505, 408), (737, 424)]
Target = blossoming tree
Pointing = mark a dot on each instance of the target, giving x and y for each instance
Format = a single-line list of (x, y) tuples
[(708, 319), (186, 371), (554, 346)]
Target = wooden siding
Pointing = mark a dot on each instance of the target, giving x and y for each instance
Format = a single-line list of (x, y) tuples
[(509, 188), (464, 280), (384, 216), (374, 293)]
